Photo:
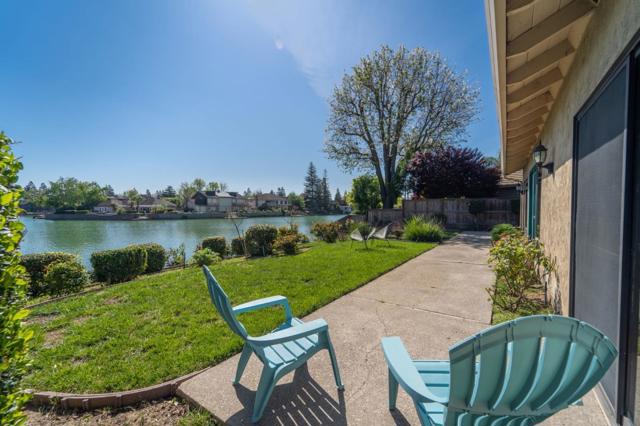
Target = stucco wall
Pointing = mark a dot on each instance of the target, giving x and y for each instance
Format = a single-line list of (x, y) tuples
[(612, 27)]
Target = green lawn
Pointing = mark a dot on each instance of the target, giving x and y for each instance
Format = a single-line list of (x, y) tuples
[(163, 326)]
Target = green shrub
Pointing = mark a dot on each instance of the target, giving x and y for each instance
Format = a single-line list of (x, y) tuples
[(156, 257), (14, 337), (216, 244), (288, 244), (36, 266), (204, 257), (419, 229), (65, 277), (115, 266), (501, 229), (260, 238), (520, 266), (440, 218), (176, 256), (237, 246), (293, 230), (329, 232)]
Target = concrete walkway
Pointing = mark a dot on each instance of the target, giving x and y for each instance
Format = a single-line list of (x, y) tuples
[(431, 301)]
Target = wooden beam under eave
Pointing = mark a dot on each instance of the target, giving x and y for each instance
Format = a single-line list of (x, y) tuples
[(526, 108), (515, 125), (538, 85), (544, 60), (514, 6), (550, 26), (521, 135), (525, 148), (526, 119)]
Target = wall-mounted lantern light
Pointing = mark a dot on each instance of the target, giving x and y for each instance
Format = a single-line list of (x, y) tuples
[(540, 156)]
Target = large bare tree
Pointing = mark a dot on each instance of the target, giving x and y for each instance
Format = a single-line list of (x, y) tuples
[(393, 104)]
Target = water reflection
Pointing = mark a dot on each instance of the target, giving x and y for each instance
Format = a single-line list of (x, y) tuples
[(85, 237)]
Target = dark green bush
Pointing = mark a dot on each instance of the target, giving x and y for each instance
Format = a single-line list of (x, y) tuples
[(237, 246), (156, 257), (326, 231), (419, 229), (36, 266), (14, 336), (204, 257), (217, 244), (288, 244), (115, 266), (260, 238), (65, 277), (501, 229)]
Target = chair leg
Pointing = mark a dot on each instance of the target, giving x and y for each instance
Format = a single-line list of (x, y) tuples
[(265, 388), (334, 364), (244, 358), (393, 391)]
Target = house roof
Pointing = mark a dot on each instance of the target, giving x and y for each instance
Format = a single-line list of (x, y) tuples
[(107, 203), (268, 197), (532, 45), (221, 194)]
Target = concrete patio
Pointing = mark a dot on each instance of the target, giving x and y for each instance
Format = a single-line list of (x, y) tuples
[(431, 301)]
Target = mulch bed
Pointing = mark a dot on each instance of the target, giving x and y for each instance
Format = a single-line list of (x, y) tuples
[(165, 412)]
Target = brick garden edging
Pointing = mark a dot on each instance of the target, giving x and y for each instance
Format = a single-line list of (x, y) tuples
[(86, 402)]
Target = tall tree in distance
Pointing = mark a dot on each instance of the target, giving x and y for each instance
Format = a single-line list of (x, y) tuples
[(199, 184), (324, 195), (169, 192), (281, 192), (338, 198), (365, 194), (393, 104), (311, 189)]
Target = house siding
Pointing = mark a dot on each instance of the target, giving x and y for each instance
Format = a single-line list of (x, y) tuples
[(611, 29)]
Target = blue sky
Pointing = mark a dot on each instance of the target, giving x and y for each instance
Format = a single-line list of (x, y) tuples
[(148, 93)]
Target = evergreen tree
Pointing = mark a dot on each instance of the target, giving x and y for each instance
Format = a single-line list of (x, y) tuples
[(338, 198), (324, 194), (312, 189), (169, 192), (108, 191), (281, 192)]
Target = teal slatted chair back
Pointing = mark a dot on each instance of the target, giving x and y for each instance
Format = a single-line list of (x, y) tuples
[(525, 370), (222, 304)]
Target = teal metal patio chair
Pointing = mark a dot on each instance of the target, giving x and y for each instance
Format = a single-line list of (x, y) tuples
[(516, 373), (286, 348)]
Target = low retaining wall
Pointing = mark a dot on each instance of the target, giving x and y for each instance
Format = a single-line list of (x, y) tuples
[(112, 399)]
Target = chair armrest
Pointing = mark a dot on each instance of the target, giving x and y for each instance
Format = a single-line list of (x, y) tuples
[(403, 369), (264, 303), (291, 333)]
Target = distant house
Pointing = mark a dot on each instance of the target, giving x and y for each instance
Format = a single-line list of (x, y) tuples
[(271, 201), (344, 208), (111, 205), (153, 204), (216, 202), (105, 207)]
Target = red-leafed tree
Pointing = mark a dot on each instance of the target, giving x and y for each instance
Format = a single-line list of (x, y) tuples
[(452, 172)]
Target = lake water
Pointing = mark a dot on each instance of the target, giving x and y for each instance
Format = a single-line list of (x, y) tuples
[(83, 237)]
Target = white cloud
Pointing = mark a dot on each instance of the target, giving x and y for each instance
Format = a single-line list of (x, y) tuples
[(324, 37)]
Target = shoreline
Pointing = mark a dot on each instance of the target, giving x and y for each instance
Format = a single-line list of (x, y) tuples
[(150, 216)]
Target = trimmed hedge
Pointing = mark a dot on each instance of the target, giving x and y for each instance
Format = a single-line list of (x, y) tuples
[(156, 257), (260, 239), (65, 278), (288, 244), (329, 232), (236, 246), (115, 266), (204, 257), (217, 244), (502, 229), (36, 266)]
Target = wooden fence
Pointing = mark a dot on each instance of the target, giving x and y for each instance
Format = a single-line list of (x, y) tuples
[(456, 210)]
